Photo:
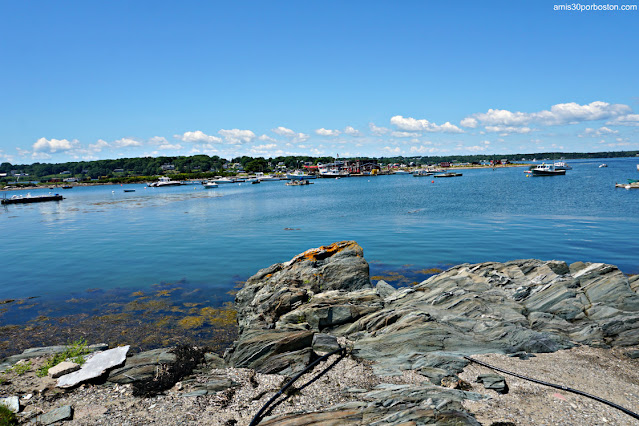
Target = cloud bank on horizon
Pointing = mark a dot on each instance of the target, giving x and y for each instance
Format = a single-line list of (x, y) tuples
[(597, 126)]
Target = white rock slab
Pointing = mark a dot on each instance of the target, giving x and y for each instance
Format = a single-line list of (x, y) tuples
[(95, 366), (12, 403), (63, 368)]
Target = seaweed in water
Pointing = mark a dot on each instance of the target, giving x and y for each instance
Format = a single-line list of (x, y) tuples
[(186, 359)]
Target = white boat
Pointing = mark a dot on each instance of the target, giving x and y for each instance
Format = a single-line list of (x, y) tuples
[(547, 170), (332, 172), (222, 180), (603, 165), (299, 175), (263, 178), (165, 181), (638, 167), (208, 184), (401, 172), (560, 165), (422, 173)]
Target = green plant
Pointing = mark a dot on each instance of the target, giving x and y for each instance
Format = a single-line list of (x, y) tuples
[(73, 351), (22, 368), (7, 418)]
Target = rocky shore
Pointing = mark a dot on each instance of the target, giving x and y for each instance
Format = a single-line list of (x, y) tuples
[(402, 359)]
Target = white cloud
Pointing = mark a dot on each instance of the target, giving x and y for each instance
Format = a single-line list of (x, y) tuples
[(404, 134), (125, 142), (198, 137), (54, 145), (422, 149), (469, 122), (395, 150), (98, 146), (349, 130), (602, 131), (265, 146), (625, 120), (283, 131), (168, 146), (377, 130), (327, 132), (506, 130), (266, 138), (292, 135), (413, 125), (559, 114), (237, 136)]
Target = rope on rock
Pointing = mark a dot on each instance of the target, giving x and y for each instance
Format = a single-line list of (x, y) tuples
[(258, 417), (552, 385)]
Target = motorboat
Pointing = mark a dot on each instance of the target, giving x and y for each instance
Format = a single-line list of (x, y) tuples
[(20, 199), (164, 181), (332, 172), (560, 165), (222, 180), (547, 170), (209, 184), (298, 182), (603, 165), (445, 175), (300, 175), (422, 173), (265, 178)]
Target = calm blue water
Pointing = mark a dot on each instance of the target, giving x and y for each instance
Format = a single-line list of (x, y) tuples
[(102, 237)]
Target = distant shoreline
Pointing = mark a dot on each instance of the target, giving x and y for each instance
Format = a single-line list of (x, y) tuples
[(25, 188)]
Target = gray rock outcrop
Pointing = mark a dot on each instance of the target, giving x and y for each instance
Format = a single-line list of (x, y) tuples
[(289, 313)]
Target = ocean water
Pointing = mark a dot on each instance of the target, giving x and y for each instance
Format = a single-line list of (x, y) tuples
[(101, 237)]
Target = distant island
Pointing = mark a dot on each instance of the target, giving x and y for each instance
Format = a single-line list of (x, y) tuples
[(129, 170)]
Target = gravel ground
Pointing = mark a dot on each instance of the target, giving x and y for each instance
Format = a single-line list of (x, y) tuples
[(606, 373)]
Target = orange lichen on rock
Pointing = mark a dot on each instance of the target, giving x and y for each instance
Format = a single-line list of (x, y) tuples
[(324, 252)]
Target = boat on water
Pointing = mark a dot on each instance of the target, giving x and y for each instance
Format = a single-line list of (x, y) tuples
[(422, 173), (209, 184), (332, 172), (129, 190), (547, 170), (265, 178), (164, 181), (298, 182), (20, 199), (300, 175), (560, 165), (222, 180), (603, 165), (445, 175), (401, 172), (67, 187)]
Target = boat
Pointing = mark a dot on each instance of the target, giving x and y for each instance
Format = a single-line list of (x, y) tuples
[(632, 185), (67, 187), (222, 180), (300, 175), (254, 181), (262, 177), (445, 175), (603, 165), (560, 165), (401, 172), (298, 182), (546, 170), (165, 181), (129, 190), (209, 184), (332, 172), (638, 167), (422, 173), (19, 199)]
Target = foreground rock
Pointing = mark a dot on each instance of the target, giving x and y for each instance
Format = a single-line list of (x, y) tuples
[(518, 307)]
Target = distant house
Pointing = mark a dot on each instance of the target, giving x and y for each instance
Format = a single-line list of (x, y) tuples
[(66, 172), (166, 167), (118, 171), (70, 180), (444, 164), (3, 175)]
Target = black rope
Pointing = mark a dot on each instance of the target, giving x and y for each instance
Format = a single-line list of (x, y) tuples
[(258, 417), (561, 387)]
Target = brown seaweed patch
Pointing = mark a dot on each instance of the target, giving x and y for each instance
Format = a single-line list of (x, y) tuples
[(191, 305), (114, 318), (151, 305), (191, 322), (27, 306), (2, 302), (429, 271), (137, 294), (224, 316)]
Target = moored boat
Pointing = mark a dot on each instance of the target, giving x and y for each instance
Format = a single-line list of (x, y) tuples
[(547, 170), (560, 165), (209, 184), (603, 165), (164, 181), (299, 175)]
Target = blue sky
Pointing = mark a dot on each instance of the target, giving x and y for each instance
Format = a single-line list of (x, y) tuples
[(90, 80)]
